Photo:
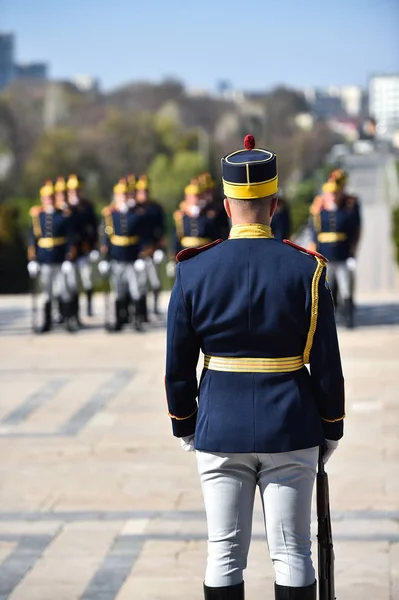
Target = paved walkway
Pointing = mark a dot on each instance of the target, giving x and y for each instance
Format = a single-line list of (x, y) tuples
[(98, 502)]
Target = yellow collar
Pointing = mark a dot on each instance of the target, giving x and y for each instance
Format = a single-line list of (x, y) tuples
[(250, 230)]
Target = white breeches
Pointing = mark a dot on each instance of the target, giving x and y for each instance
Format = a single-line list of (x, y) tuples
[(339, 274), (124, 280), (286, 483), (53, 282)]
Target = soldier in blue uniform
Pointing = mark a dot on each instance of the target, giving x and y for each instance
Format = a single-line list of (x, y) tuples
[(121, 247), (259, 310), (335, 235), (214, 206), (50, 252), (195, 222), (86, 234), (152, 244), (281, 222)]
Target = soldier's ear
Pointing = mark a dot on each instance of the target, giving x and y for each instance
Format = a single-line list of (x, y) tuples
[(227, 207), (273, 206)]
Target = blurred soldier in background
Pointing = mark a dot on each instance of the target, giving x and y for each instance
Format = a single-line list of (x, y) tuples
[(152, 241), (281, 221), (214, 205), (120, 252), (50, 252), (85, 226), (340, 178), (196, 223), (335, 235)]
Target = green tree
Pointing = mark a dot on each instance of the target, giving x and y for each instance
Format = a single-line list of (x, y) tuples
[(170, 175), (56, 153)]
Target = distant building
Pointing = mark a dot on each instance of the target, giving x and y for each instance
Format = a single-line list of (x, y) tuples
[(6, 59), (31, 71), (384, 103), (86, 83), (336, 102)]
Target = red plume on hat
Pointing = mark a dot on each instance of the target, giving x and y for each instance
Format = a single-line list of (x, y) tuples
[(249, 142)]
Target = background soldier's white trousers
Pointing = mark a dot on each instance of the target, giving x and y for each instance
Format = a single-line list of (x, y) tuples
[(152, 274), (53, 282), (339, 274), (123, 280), (85, 270), (286, 483)]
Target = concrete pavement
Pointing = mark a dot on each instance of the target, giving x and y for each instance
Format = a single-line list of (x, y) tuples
[(98, 502)]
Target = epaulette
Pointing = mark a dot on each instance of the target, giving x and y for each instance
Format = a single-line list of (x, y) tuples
[(177, 215), (35, 211), (107, 210), (306, 250), (191, 252), (316, 205)]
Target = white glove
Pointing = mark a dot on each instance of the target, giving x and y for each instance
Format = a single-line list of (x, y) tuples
[(331, 446), (187, 443), (94, 256), (158, 256), (351, 264), (33, 269), (171, 269), (103, 268), (67, 267), (139, 265)]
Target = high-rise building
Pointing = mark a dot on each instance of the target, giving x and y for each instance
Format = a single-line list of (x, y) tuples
[(384, 103), (31, 71), (6, 59)]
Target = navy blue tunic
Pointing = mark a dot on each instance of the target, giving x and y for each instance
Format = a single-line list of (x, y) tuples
[(254, 299)]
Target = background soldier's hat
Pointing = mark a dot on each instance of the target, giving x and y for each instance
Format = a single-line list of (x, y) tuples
[(339, 177), (193, 189), (60, 185), (131, 183), (330, 187), (73, 182), (250, 173), (142, 183), (47, 189), (121, 187)]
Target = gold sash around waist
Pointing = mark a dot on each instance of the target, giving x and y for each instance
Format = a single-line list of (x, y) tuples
[(232, 364), (51, 242), (331, 236), (124, 240), (193, 242)]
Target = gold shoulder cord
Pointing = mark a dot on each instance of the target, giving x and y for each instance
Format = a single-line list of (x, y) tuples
[(36, 226), (178, 218), (109, 224), (314, 310)]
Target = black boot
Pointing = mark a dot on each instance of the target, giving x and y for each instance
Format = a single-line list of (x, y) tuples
[(283, 592), (60, 315), (68, 312), (139, 314), (144, 309), (349, 320), (230, 592), (89, 294), (156, 302), (47, 323), (75, 310), (120, 316)]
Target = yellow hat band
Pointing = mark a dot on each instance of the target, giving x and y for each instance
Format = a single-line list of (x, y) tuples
[(120, 188), (251, 191), (192, 190), (142, 185), (47, 190), (330, 186)]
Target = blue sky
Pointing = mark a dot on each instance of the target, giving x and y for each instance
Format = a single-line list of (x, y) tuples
[(254, 45)]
